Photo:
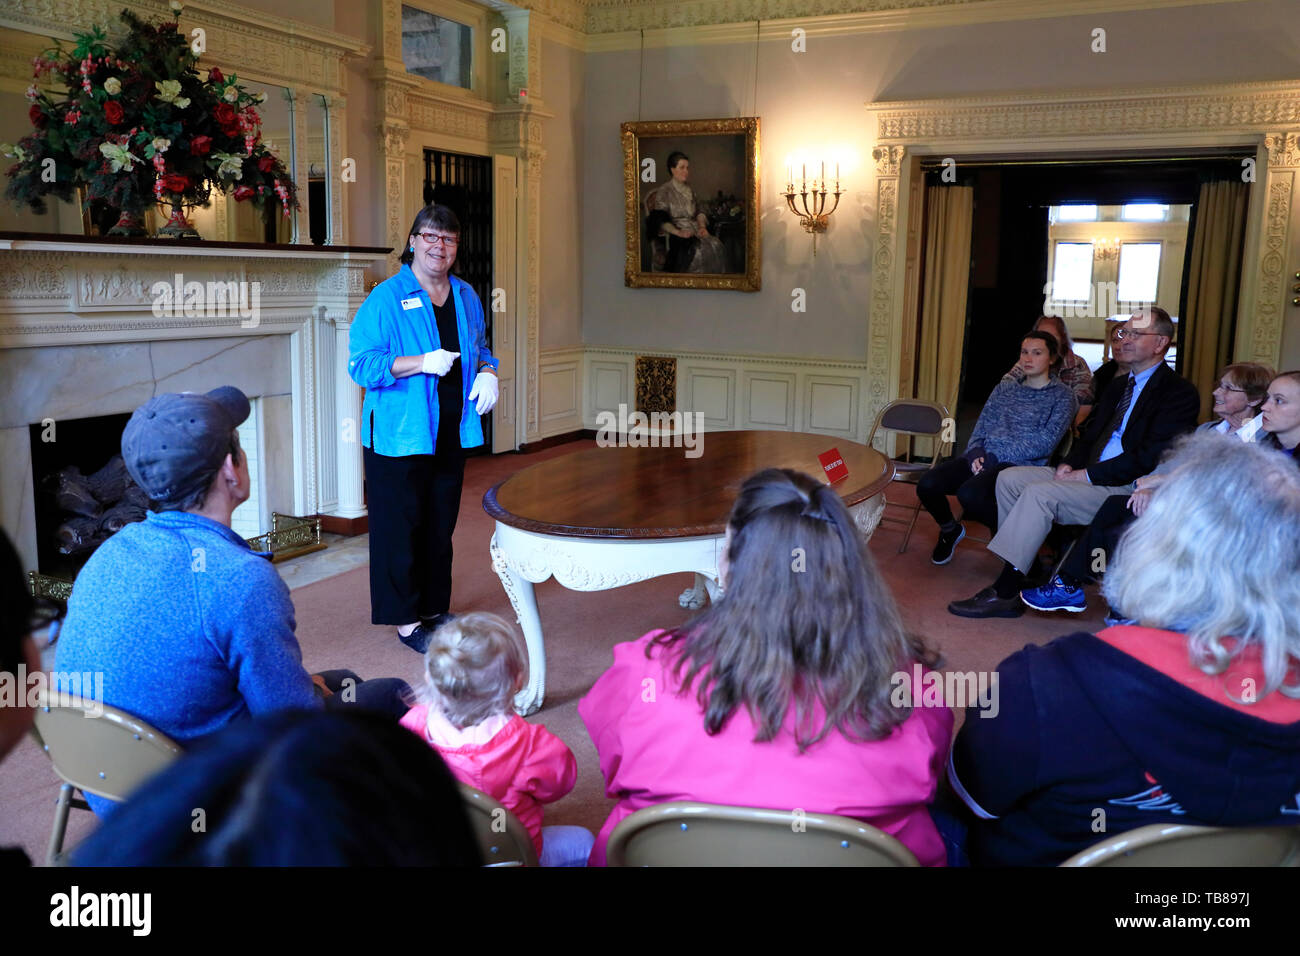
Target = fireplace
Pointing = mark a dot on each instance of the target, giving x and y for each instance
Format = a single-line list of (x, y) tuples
[(82, 345)]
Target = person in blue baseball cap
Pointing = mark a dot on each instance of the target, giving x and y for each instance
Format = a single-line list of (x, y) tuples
[(191, 629)]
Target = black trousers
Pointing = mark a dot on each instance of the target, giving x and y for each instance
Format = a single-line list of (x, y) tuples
[(1107, 527), (413, 502), (384, 695), (978, 494)]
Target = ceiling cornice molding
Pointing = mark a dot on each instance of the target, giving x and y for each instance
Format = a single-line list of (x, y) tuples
[(616, 24)]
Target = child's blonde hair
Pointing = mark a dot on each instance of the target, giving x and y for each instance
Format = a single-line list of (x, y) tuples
[(473, 667)]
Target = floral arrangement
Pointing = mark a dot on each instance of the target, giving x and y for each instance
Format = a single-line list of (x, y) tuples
[(138, 125)]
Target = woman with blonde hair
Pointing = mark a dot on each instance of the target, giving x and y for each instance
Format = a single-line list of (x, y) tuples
[(797, 689), (1191, 713)]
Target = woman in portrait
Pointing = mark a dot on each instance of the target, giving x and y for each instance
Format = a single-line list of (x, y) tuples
[(419, 349), (675, 215)]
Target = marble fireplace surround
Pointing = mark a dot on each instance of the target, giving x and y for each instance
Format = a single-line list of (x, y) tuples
[(79, 338)]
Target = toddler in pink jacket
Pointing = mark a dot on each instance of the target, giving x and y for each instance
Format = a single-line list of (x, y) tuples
[(474, 666)]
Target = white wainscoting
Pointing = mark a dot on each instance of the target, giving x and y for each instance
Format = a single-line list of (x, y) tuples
[(732, 390)]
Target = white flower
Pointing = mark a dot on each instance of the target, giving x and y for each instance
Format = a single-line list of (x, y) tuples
[(160, 144), (176, 6), (232, 165), (119, 157), (112, 86), (169, 92), (261, 97), (9, 149), (232, 94), (32, 92)]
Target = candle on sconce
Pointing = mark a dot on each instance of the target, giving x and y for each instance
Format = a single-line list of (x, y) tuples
[(823, 175), (805, 177)]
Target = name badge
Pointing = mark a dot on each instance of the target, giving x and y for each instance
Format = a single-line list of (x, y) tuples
[(409, 304)]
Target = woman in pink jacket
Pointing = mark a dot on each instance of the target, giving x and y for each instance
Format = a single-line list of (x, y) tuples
[(785, 693)]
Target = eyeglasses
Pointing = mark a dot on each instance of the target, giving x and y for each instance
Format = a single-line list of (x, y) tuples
[(1121, 334), (1230, 388), (432, 238)]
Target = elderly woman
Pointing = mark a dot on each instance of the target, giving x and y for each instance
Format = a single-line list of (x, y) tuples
[(675, 215), (419, 348), (1073, 371), (1281, 416), (1237, 399), (1190, 714)]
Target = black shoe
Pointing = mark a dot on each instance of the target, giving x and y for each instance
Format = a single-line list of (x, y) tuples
[(418, 639), (437, 621), (947, 544), (988, 604)]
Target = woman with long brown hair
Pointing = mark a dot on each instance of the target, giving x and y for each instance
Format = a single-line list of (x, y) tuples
[(796, 689)]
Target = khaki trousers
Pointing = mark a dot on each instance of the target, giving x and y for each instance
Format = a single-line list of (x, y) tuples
[(1030, 499)]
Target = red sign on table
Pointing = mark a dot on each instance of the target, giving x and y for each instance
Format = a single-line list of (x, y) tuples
[(834, 465)]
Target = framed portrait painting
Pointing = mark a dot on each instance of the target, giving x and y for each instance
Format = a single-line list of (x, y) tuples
[(692, 204)]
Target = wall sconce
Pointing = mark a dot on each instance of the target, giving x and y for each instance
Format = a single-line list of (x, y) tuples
[(1105, 249), (813, 216)]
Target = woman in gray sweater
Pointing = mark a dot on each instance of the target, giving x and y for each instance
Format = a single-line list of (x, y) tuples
[(1020, 424)]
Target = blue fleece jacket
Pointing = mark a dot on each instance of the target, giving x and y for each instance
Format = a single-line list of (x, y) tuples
[(191, 629)]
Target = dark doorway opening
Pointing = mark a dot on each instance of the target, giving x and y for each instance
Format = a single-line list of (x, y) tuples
[(464, 184)]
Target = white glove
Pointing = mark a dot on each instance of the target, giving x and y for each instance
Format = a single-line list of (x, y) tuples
[(485, 390), (438, 362)]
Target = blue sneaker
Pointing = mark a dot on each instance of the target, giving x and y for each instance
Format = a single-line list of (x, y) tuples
[(1055, 595)]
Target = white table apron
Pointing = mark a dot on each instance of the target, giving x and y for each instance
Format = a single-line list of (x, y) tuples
[(524, 558)]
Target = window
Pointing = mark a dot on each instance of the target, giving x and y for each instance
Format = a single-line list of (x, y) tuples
[(1076, 213), (1146, 212), (1139, 271), (1072, 272), (437, 48)]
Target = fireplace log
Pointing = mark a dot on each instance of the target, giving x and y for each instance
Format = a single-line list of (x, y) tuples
[(109, 484), (79, 533), (71, 492), (119, 516)]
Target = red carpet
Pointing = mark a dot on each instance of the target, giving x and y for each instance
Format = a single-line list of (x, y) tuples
[(335, 631)]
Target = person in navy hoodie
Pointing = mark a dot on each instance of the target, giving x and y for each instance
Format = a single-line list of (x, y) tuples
[(1190, 715)]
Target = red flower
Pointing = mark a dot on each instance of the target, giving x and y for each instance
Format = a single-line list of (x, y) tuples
[(226, 118), (200, 145), (113, 112), (244, 192), (38, 118), (265, 164), (216, 76), (175, 183)]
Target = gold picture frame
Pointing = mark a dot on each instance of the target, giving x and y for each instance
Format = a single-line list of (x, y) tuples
[(721, 189)]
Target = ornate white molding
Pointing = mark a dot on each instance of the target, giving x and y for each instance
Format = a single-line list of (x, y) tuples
[(1259, 116), (257, 45)]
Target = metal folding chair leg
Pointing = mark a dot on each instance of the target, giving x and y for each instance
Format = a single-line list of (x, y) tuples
[(61, 808), (907, 535)]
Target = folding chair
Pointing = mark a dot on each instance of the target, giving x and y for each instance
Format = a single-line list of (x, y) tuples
[(108, 755), (912, 417), (686, 833), (502, 837), (1179, 845)]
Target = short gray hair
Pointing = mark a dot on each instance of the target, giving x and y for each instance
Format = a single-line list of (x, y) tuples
[(1217, 554), (473, 667)]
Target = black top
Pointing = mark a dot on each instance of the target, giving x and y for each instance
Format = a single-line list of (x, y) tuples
[(451, 400)]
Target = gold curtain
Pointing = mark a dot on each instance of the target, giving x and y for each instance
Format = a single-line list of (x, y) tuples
[(949, 214), (1213, 285)]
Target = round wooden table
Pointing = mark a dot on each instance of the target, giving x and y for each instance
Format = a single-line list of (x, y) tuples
[(604, 517)]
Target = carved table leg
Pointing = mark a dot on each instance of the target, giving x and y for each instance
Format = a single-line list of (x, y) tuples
[(520, 591), (693, 597)]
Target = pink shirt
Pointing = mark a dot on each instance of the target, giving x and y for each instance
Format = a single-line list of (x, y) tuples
[(653, 749), (519, 764)]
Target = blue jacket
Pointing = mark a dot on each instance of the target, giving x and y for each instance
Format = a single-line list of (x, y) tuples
[(191, 629), (400, 415)]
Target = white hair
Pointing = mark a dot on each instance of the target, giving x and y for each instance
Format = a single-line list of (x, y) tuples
[(473, 667), (1217, 554)]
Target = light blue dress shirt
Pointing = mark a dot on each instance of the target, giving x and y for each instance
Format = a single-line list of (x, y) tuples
[(1115, 445)]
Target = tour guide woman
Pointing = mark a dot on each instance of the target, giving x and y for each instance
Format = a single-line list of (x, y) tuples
[(419, 348)]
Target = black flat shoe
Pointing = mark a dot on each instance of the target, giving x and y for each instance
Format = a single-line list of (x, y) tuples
[(418, 639), (437, 621), (988, 604)]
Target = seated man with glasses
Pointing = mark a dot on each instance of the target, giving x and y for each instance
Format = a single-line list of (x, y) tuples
[(1132, 426)]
